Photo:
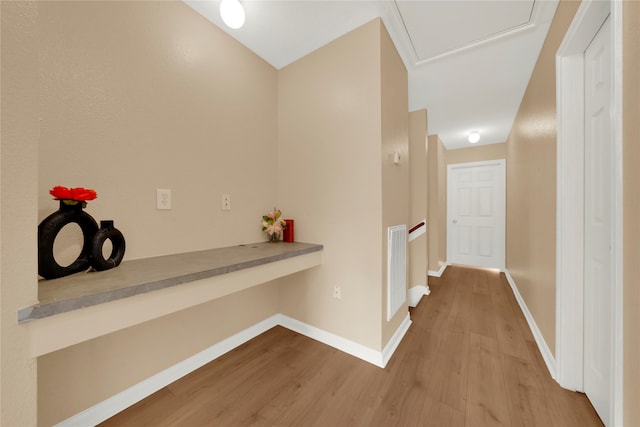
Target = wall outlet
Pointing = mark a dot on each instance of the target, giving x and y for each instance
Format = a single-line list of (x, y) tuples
[(226, 202), (163, 199), (337, 292)]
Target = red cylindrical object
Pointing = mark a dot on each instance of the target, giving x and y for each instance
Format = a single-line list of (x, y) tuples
[(288, 231)]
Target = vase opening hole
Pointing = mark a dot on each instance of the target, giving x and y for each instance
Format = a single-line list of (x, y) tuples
[(107, 249), (68, 244)]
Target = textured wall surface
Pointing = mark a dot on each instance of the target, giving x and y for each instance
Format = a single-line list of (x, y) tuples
[(18, 189), (531, 184), (418, 254), (631, 226), (395, 177), (437, 203), (166, 101), (330, 180)]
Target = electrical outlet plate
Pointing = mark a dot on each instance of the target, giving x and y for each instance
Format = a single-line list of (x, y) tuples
[(337, 292), (226, 202), (163, 199)]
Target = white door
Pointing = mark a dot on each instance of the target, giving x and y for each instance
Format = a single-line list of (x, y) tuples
[(475, 214), (598, 263)]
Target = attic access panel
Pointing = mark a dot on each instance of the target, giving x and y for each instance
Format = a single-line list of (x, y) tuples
[(437, 28)]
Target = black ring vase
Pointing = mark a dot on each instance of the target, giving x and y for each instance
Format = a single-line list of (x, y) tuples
[(107, 232), (93, 241), (48, 230)]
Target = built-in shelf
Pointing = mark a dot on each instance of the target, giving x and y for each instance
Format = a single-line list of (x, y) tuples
[(140, 290)]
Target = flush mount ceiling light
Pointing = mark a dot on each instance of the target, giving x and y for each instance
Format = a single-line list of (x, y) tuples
[(232, 13), (474, 137)]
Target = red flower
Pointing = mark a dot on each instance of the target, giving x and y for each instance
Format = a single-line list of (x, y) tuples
[(82, 194), (59, 192), (78, 194)]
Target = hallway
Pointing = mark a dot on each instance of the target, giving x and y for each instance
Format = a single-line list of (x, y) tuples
[(468, 359)]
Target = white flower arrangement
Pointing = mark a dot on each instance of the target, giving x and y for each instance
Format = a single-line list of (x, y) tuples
[(272, 224)]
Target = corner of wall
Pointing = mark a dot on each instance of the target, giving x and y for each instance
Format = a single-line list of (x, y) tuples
[(18, 195), (328, 203), (394, 164)]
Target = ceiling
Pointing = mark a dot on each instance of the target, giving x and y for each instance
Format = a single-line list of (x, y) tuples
[(469, 61)]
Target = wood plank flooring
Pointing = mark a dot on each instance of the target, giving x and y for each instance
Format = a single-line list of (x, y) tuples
[(468, 359)]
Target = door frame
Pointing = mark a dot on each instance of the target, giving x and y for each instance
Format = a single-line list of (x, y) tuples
[(503, 176), (570, 200)]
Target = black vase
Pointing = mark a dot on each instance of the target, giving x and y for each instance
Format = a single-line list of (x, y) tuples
[(49, 228), (107, 232)]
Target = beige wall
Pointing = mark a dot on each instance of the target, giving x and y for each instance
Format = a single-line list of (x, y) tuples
[(72, 379), (631, 226), (531, 184), (418, 254), (170, 101), (442, 203), (437, 203), (113, 96), (478, 153), (166, 101), (329, 179), (395, 177), (332, 140), (18, 189)]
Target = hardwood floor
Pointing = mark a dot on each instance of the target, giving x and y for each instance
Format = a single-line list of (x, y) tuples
[(468, 359)]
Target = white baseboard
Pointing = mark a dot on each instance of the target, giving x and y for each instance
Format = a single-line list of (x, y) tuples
[(360, 351), (395, 340), (353, 348), (549, 360), (117, 403), (438, 273), (416, 293), (111, 406)]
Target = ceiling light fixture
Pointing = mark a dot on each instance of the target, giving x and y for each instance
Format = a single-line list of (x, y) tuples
[(474, 137), (232, 13)]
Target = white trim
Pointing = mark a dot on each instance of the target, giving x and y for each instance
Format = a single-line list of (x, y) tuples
[(353, 348), (569, 221), (570, 201), (617, 388), (440, 272), (541, 17), (126, 398), (537, 335), (395, 340), (117, 403), (347, 346), (422, 229), (416, 293)]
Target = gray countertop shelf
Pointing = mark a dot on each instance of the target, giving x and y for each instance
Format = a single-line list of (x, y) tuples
[(137, 277)]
